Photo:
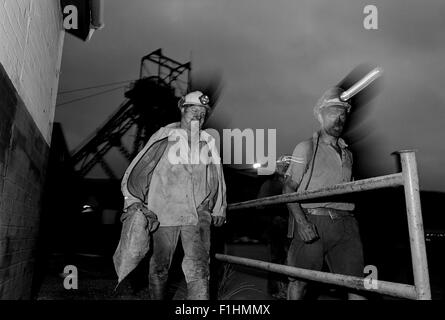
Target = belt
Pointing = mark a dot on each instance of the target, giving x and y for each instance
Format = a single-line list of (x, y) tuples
[(333, 213)]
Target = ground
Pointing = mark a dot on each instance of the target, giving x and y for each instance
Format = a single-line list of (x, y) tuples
[(97, 280)]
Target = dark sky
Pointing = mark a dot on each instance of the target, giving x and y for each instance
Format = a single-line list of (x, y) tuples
[(277, 57)]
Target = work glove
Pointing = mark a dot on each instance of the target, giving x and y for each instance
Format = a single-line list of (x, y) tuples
[(152, 219)]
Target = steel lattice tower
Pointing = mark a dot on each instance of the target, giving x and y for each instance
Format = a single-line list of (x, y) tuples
[(150, 102)]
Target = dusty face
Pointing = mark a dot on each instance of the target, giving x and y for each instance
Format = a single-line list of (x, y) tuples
[(333, 120), (193, 113)]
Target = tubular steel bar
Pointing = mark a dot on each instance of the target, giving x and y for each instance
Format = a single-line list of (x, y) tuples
[(415, 224), (389, 288), (392, 180)]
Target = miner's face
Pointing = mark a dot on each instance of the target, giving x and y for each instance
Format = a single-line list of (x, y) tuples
[(194, 113), (333, 120)]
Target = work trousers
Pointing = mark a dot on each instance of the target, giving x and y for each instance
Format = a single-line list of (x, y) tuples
[(339, 244), (195, 264)]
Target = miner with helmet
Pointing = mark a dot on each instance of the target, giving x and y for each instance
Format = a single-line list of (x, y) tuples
[(183, 197), (324, 231)]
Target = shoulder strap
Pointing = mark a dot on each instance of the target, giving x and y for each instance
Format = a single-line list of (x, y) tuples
[(312, 151)]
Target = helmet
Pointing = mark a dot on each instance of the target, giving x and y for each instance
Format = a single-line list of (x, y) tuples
[(331, 98), (195, 98)]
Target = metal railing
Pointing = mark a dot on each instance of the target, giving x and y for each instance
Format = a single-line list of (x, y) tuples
[(408, 178)]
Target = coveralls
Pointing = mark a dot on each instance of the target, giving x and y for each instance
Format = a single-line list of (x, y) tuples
[(183, 196)]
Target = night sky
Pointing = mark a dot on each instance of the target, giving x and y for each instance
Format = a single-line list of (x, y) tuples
[(276, 58)]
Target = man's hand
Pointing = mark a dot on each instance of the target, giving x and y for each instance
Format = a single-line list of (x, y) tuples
[(218, 221), (307, 231), (152, 219)]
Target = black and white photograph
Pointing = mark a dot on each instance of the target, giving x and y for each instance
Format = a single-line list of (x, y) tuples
[(247, 153)]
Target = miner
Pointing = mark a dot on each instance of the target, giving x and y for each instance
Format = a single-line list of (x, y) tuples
[(182, 187), (323, 231)]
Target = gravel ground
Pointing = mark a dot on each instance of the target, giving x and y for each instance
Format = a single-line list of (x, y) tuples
[(97, 280)]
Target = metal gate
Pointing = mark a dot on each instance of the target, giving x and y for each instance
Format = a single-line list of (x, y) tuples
[(408, 178)]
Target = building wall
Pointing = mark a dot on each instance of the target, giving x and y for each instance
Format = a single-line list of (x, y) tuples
[(31, 39)]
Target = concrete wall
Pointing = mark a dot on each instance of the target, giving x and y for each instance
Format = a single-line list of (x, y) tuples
[(31, 39)]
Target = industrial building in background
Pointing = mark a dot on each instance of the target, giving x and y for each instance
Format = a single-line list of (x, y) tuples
[(149, 104)]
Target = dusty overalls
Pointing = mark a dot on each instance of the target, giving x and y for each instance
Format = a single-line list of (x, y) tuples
[(183, 195), (195, 264), (176, 191)]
